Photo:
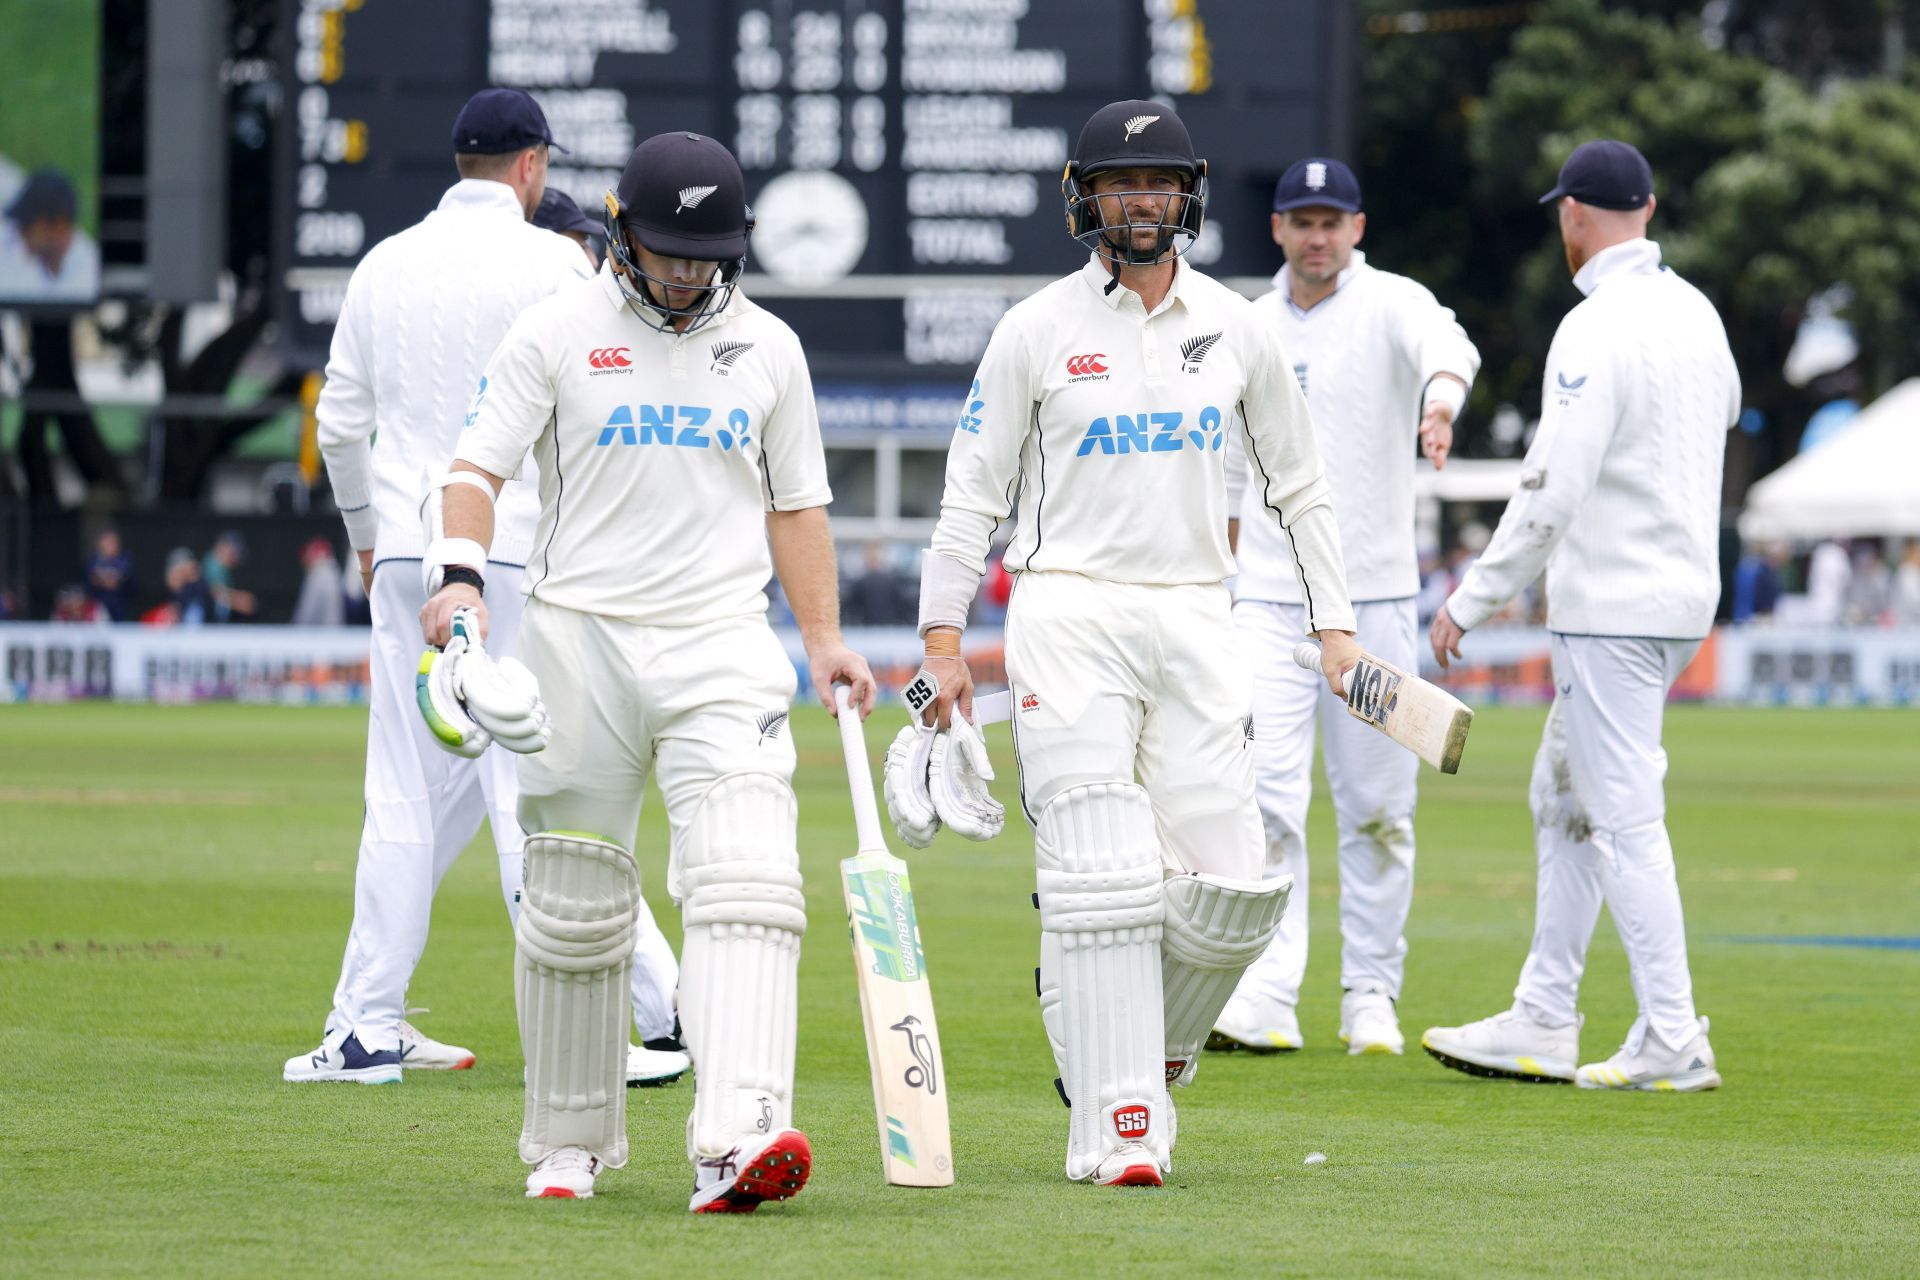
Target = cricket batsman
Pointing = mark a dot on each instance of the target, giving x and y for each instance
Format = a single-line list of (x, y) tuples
[(674, 428), (1619, 501), (424, 309), (1104, 402), (1381, 362)]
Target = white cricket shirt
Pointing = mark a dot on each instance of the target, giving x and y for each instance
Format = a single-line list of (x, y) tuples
[(1111, 425), (1619, 498), (1363, 356), (424, 310), (659, 453)]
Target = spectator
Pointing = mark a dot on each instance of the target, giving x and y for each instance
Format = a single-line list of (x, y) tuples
[(110, 580), (72, 604), (323, 601), (1756, 582), (1828, 576), (1436, 584), (878, 597), (1870, 588), (229, 553), (1906, 587), (190, 601)]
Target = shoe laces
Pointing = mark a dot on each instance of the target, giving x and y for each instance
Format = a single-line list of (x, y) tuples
[(570, 1158)]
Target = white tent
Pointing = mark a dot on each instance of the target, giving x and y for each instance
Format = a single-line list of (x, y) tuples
[(1863, 483)]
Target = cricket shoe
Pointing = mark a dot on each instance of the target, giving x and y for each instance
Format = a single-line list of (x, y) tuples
[(1130, 1164), (423, 1052), (1645, 1063), (565, 1174), (341, 1057), (1256, 1024), (1368, 1023), (651, 1068), (1510, 1045), (744, 1178)]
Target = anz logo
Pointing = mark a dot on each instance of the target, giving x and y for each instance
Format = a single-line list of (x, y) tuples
[(1152, 433), (684, 426)]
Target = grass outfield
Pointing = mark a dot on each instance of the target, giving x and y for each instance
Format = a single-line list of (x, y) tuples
[(175, 886)]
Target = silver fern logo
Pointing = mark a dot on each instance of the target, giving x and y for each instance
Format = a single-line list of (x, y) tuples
[(1195, 349), (725, 353), (770, 725), (1137, 123), (690, 197)]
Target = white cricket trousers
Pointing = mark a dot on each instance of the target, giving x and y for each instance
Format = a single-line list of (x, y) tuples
[(423, 806), (1373, 780), (1599, 816)]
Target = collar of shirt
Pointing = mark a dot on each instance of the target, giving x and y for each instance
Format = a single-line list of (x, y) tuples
[(1283, 281), (1098, 273), (617, 299), (482, 195), (1628, 258)]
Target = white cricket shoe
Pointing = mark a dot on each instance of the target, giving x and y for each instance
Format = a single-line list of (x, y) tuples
[(1509, 1045), (422, 1052), (1131, 1164), (1256, 1024), (651, 1068), (341, 1057), (1368, 1023), (565, 1174), (746, 1177), (1650, 1066)]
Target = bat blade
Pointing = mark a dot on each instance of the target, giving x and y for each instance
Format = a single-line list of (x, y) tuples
[(1417, 714)]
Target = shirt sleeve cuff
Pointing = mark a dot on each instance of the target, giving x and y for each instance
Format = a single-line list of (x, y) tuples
[(1468, 608)]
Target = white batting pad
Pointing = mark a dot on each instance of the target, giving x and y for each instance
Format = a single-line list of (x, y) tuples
[(1099, 880), (744, 915), (571, 963), (1215, 928)]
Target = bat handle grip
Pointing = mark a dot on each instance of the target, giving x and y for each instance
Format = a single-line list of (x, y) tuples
[(853, 744), (1307, 654)]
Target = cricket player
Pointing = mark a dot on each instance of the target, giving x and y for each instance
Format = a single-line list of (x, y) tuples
[(423, 311), (1104, 402), (1379, 360), (1619, 501), (674, 427)]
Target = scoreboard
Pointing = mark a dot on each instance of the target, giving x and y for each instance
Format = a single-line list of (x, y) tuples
[(903, 157)]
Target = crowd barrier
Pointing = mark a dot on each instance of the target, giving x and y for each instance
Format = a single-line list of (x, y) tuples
[(53, 662)]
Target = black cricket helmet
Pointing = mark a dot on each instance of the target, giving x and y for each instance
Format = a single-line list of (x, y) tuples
[(681, 196), (1135, 134)]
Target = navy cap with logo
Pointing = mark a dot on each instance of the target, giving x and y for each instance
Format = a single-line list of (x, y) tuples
[(683, 196), (1606, 174), (497, 121), (1317, 182)]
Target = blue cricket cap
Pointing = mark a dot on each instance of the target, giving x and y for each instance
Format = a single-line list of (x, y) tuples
[(1317, 181), (497, 121), (1606, 174)]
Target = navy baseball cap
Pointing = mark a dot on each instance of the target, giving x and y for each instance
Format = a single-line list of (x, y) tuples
[(497, 121), (558, 212), (1317, 182), (47, 193), (1606, 174)]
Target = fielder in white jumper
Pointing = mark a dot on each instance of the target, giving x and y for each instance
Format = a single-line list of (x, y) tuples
[(423, 311), (1104, 401), (674, 427), (1619, 501), (1380, 361)]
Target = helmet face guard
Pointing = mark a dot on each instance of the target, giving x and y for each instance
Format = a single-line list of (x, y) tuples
[(647, 295), (1182, 214)]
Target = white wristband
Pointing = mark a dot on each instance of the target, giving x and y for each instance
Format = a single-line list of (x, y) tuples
[(947, 589), (1445, 391), (444, 553)]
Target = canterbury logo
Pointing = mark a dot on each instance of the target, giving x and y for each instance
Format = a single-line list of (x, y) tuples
[(725, 353), (690, 197), (1573, 385), (1080, 365), (771, 724), (609, 357), (1194, 350), (1138, 123)]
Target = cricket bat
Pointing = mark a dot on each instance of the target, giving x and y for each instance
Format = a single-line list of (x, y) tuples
[(896, 1003), (1422, 717)]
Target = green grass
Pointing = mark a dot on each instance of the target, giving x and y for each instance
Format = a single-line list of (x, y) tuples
[(50, 93), (175, 886)]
